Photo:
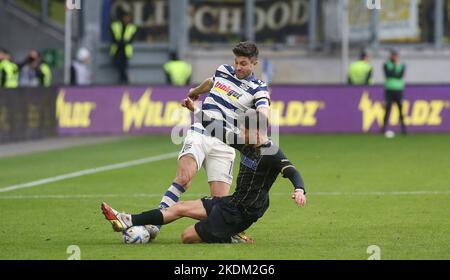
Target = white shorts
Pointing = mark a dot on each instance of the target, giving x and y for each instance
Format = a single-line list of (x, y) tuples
[(215, 156)]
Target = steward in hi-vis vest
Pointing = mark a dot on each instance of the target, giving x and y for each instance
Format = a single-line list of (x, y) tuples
[(394, 85), (178, 72), (9, 71), (360, 72), (121, 50)]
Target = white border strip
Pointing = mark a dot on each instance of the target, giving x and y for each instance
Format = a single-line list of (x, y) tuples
[(89, 171)]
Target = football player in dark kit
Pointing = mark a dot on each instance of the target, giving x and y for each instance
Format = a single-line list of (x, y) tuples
[(222, 218)]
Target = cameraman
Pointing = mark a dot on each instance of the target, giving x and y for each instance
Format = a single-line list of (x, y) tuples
[(34, 72)]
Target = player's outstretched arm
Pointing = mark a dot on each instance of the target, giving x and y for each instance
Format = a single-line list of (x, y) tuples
[(289, 171), (265, 111), (203, 88), (294, 176)]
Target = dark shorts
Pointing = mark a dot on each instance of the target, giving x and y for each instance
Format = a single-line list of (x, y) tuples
[(223, 221), (393, 96)]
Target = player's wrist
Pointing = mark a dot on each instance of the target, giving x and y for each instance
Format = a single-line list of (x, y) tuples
[(300, 190), (193, 94)]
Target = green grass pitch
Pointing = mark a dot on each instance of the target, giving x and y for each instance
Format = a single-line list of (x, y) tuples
[(363, 190)]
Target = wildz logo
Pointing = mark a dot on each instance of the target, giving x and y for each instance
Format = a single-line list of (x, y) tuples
[(373, 4), (296, 113), (416, 113), (73, 4), (146, 112)]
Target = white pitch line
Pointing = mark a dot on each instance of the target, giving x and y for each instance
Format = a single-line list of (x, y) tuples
[(90, 196), (199, 195), (80, 173), (382, 193)]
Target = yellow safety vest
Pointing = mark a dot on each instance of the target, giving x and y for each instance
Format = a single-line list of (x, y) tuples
[(11, 72), (358, 72), (179, 72), (117, 30), (45, 69)]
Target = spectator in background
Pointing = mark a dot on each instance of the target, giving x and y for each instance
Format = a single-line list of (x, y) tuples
[(178, 72), (121, 51), (394, 87), (267, 71), (360, 72), (80, 71), (9, 71), (34, 72), (447, 21)]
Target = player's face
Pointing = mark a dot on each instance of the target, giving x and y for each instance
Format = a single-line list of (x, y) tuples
[(395, 58), (244, 66)]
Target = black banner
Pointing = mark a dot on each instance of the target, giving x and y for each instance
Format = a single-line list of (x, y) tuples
[(282, 21), (215, 21), (226, 269), (27, 113)]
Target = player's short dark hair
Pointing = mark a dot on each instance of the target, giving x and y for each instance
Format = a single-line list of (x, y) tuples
[(253, 119), (394, 52), (173, 55), (363, 54), (246, 49)]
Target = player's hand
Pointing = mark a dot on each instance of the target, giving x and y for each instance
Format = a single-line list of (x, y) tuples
[(189, 104), (299, 197), (192, 95)]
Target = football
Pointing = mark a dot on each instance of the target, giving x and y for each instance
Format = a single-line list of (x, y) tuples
[(153, 230), (136, 235), (389, 134)]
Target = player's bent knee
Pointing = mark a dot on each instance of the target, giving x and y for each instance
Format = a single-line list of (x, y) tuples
[(186, 238), (190, 236), (219, 189)]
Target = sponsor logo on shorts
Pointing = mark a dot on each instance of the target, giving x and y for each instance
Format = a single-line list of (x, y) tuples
[(186, 147)]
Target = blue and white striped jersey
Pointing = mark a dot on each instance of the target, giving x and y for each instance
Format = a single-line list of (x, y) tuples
[(231, 96)]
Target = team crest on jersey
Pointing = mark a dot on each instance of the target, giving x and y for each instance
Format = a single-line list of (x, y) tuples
[(244, 87), (252, 164), (186, 147)]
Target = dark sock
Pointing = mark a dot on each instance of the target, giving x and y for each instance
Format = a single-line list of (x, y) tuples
[(152, 217)]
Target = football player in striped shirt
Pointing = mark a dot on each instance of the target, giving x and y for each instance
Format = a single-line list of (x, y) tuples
[(230, 91), (222, 219)]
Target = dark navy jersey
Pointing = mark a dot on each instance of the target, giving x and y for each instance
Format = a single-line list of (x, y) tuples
[(259, 168)]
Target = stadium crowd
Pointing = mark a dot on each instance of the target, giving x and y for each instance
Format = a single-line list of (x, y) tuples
[(31, 72)]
